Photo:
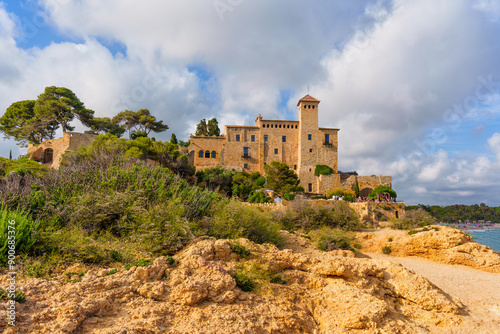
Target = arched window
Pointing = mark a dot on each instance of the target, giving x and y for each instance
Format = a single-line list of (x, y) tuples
[(200, 154), (207, 154), (214, 154)]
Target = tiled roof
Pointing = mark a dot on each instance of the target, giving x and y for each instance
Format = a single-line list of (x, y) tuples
[(308, 98)]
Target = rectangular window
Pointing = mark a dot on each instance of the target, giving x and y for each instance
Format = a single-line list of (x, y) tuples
[(252, 138), (283, 139), (327, 138), (245, 151), (310, 187), (295, 167), (275, 151), (309, 137), (245, 166), (310, 150), (237, 137), (266, 138)]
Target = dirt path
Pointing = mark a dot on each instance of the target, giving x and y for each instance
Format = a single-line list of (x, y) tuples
[(479, 291)]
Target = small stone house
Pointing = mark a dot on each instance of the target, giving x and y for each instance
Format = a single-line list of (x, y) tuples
[(50, 152)]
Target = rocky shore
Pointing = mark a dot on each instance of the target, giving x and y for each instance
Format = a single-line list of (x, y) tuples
[(318, 292)]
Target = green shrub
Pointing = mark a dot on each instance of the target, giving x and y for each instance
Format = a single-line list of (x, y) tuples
[(112, 271), (18, 296), (386, 250), (244, 282), (300, 214), (382, 189), (240, 250), (289, 197), (17, 233), (170, 259), (234, 220), (258, 197), (328, 239), (139, 263), (348, 199), (390, 239), (414, 219), (322, 170), (276, 279)]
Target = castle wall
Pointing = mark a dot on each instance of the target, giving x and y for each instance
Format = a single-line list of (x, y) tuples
[(69, 142), (210, 144)]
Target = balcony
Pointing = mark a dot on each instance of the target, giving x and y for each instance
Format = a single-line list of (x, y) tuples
[(327, 143), (245, 156)]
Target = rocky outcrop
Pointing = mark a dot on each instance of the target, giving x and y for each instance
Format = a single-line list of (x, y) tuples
[(437, 243), (323, 293)]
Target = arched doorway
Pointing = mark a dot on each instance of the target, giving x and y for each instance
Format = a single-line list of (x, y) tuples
[(48, 155)]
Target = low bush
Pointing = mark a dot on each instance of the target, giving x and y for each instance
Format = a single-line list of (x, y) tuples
[(288, 197), (276, 279), (233, 220), (240, 250), (328, 239), (258, 197), (300, 214), (386, 250), (244, 282), (17, 295), (18, 234), (139, 263), (414, 219)]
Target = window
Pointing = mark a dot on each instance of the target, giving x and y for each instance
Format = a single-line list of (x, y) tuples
[(313, 107), (271, 126), (245, 151), (275, 151), (310, 150), (295, 167), (266, 138), (310, 187), (288, 126), (283, 139), (237, 137), (245, 166), (327, 138), (309, 137), (295, 126), (200, 154), (280, 126), (207, 154), (214, 154), (252, 138)]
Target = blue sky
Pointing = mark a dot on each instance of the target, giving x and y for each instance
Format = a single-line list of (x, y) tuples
[(413, 85)]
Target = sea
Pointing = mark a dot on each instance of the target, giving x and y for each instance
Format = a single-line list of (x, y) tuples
[(490, 238)]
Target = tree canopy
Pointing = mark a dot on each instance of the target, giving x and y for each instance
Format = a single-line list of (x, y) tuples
[(21, 122), (281, 178), (140, 121), (33, 121), (61, 105), (208, 129), (382, 189)]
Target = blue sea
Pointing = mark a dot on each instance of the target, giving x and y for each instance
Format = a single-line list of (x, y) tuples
[(489, 238)]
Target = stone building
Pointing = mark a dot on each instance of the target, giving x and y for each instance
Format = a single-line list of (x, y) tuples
[(301, 144), (50, 152)]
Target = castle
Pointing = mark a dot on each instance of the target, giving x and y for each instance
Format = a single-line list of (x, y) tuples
[(301, 144)]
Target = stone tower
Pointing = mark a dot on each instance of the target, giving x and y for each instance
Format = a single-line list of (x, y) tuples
[(308, 139)]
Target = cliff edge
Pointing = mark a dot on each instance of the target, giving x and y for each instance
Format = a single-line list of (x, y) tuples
[(437, 243), (201, 292)]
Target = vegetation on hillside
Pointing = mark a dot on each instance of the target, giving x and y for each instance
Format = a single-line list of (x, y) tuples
[(461, 212)]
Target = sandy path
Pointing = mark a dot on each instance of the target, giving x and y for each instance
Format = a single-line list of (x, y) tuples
[(479, 291)]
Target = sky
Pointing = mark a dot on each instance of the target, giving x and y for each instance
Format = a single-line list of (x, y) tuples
[(413, 85)]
